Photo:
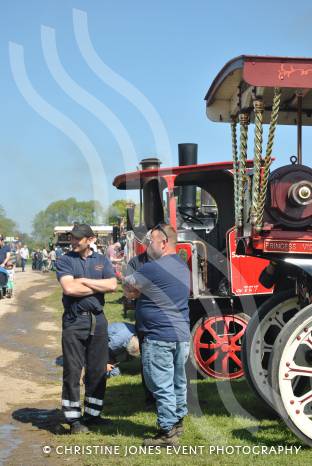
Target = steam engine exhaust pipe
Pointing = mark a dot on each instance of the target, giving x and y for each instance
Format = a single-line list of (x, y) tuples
[(187, 197)]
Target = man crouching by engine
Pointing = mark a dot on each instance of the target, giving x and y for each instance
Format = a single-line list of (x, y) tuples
[(162, 287)]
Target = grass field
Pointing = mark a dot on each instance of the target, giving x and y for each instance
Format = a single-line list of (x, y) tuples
[(222, 414)]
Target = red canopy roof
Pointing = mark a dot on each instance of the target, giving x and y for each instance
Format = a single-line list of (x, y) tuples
[(243, 77), (190, 173)]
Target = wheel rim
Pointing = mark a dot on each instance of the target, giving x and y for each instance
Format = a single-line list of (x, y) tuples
[(261, 336), (295, 377), (217, 346)]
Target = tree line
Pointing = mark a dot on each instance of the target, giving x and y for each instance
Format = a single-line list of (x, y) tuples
[(63, 212)]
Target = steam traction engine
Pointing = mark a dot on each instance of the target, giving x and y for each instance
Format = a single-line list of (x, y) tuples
[(273, 219), (197, 199)]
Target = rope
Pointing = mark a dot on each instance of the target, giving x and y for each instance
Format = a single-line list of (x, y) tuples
[(268, 157), (258, 109), (235, 168), (244, 122)]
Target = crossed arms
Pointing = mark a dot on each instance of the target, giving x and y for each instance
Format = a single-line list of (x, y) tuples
[(131, 287), (80, 287)]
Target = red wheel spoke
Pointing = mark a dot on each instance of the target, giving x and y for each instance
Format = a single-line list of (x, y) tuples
[(236, 359), (210, 346), (212, 331), (238, 335), (212, 352), (212, 358), (225, 361), (226, 326)]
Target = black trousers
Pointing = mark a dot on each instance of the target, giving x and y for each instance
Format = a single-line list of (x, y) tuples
[(80, 349)]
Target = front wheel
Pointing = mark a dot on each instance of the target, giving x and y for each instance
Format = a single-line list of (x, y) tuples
[(216, 346)]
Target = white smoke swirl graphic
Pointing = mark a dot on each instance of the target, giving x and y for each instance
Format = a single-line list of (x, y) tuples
[(60, 121), (86, 100), (122, 86)]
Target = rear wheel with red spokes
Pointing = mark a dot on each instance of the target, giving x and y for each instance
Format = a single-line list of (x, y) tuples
[(216, 346)]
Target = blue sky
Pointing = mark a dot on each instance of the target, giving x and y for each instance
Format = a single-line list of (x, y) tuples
[(170, 51)]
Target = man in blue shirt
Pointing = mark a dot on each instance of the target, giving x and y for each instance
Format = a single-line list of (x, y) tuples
[(135, 265), (162, 316), (4, 252), (122, 344), (84, 277)]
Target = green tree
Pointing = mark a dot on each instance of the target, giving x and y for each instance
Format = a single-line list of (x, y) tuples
[(7, 226), (65, 212), (116, 210), (119, 209)]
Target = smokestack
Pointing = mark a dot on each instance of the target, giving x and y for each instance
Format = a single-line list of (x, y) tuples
[(150, 163), (130, 216), (187, 198)]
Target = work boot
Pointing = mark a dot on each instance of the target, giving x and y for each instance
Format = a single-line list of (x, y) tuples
[(179, 427), (78, 428), (163, 439), (95, 421)]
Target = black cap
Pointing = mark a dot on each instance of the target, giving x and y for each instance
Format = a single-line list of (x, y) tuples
[(82, 230)]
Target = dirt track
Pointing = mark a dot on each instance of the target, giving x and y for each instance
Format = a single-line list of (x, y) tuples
[(29, 376)]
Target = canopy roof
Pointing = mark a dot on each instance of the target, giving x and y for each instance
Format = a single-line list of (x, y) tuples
[(187, 174), (245, 77)]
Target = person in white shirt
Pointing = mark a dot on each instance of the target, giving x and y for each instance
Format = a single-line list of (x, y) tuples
[(24, 253), (94, 246), (45, 257), (52, 257)]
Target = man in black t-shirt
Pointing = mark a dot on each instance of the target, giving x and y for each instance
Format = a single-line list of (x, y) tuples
[(85, 277)]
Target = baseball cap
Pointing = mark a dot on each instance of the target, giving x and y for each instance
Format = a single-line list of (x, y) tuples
[(82, 230)]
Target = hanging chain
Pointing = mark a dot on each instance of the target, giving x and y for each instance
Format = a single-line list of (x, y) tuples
[(258, 110), (268, 157), (235, 167), (244, 122)]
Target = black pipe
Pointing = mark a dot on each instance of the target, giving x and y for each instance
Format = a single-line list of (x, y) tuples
[(187, 198), (130, 217)]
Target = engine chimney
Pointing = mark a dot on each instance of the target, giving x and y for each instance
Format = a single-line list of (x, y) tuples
[(150, 163), (187, 198)]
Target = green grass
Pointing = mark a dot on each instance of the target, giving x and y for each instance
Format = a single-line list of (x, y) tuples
[(223, 414)]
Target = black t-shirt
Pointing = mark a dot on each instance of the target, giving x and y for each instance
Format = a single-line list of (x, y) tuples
[(136, 263), (96, 266)]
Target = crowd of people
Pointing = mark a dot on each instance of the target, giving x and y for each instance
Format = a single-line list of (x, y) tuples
[(45, 259)]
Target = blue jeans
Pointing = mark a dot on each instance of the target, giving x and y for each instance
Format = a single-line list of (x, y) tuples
[(164, 373)]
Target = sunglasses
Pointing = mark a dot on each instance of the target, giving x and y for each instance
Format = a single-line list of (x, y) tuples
[(159, 227)]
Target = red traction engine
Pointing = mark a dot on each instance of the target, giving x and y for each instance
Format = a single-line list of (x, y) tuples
[(273, 219), (197, 199)]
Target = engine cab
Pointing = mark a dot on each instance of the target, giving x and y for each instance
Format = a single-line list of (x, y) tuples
[(197, 200)]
